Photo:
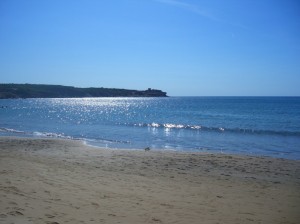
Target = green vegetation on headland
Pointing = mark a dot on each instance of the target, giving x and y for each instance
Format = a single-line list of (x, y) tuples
[(11, 91)]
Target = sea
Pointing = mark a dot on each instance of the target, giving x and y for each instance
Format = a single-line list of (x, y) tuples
[(260, 126)]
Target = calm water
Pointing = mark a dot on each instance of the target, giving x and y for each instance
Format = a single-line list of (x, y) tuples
[(248, 125)]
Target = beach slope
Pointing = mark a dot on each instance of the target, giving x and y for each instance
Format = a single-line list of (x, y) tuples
[(64, 181)]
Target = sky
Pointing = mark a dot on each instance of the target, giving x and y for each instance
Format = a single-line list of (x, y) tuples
[(183, 47)]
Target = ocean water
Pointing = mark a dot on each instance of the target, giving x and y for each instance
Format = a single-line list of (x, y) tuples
[(268, 126)]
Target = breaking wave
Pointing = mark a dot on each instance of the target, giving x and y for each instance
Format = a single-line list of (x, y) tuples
[(10, 130), (218, 129), (35, 133), (58, 135)]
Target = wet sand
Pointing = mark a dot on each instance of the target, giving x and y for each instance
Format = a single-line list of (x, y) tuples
[(64, 181)]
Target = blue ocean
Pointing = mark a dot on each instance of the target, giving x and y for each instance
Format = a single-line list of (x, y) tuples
[(263, 126)]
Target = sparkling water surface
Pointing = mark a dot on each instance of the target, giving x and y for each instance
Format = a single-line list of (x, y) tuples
[(267, 126)]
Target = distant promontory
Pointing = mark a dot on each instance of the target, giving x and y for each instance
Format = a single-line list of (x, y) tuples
[(11, 91)]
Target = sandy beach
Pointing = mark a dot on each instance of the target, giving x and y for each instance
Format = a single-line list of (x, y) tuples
[(64, 181)]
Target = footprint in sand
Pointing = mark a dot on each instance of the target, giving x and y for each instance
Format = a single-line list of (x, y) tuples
[(15, 213), (95, 204), (156, 220), (12, 203), (49, 216)]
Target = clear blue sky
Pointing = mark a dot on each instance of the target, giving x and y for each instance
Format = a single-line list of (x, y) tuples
[(185, 47)]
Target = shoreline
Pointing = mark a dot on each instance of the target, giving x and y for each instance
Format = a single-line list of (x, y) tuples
[(88, 143), (47, 180)]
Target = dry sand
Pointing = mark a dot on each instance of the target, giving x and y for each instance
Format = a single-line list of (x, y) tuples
[(62, 181)]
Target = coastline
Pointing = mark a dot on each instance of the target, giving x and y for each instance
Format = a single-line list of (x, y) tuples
[(182, 124), (61, 181)]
